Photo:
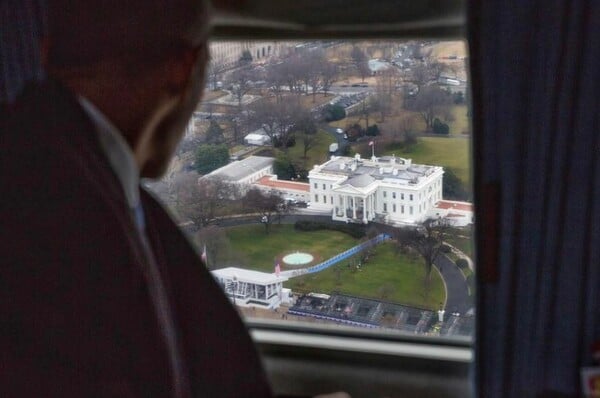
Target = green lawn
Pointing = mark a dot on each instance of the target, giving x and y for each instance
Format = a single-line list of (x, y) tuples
[(462, 240), (261, 249), (316, 155), (443, 151), (386, 275), (461, 120)]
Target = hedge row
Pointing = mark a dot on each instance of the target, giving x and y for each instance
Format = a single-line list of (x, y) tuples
[(356, 231)]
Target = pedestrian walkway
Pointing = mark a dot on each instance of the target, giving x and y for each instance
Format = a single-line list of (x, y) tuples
[(337, 258)]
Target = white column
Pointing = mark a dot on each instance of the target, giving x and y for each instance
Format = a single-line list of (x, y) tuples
[(372, 205), (365, 209), (354, 207)]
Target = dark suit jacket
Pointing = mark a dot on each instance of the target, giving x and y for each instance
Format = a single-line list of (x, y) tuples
[(75, 315)]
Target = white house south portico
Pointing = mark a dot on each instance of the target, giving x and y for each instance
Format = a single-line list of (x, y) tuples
[(387, 189)]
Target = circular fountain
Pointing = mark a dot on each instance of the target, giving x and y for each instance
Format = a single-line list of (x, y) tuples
[(298, 259)]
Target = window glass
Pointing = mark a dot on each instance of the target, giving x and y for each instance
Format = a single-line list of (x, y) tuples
[(361, 115)]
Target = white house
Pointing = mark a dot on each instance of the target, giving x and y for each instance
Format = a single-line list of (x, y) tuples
[(386, 189), (248, 288)]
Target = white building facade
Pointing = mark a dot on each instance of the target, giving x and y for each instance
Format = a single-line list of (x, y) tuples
[(386, 189), (288, 190), (248, 288)]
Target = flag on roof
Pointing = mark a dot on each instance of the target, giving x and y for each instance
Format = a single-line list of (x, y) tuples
[(371, 143), (277, 269)]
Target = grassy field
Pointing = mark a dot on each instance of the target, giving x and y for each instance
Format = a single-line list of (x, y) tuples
[(443, 151), (386, 275), (457, 126), (317, 155), (461, 120), (462, 239), (261, 249)]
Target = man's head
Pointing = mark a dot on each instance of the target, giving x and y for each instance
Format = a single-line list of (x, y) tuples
[(141, 62)]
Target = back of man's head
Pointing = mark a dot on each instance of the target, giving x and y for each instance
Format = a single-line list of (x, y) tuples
[(82, 33)]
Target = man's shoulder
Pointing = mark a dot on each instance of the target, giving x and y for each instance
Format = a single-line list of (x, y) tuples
[(53, 176), (47, 140)]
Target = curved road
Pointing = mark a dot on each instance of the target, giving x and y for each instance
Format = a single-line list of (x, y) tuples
[(457, 292)]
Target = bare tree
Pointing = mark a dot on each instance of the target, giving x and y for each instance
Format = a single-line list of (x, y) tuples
[(268, 205), (400, 128), (426, 240), (314, 77), (329, 75), (293, 71), (431, 102), (426, 72), (202, 200), (360, 62), (215, 71), (240, 81), (385, 91), (276, 79), (238, 123), (277, 119), (306, 130)]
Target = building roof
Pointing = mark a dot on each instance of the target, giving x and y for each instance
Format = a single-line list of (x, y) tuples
[(455, 205), (246, 275), (254, 136), (387, 169), (360, 180), (240, 169), (273, 182)]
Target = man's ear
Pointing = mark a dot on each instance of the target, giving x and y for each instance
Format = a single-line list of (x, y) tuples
[(181, 66)]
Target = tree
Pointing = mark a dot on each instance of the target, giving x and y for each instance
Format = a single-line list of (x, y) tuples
[(292, 70), (426, 72), (453, 187), (270, 206), (440, 128), (372, 131), (313, 72), (385, 91), (360, 62), (246, 57), (238, 123), (284, 168), (426, 240), (215, 71), (278, 120), (430, 102), (240, 82), (333, 112), (306, 130), (276, 80), (202, 200), (214, 134), (211, 157), (329, 74)]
